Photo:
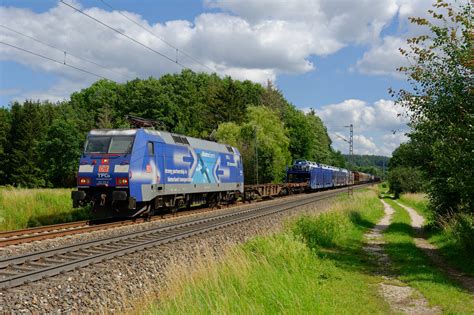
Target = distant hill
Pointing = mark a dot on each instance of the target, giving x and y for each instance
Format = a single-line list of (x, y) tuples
[(373, 164)]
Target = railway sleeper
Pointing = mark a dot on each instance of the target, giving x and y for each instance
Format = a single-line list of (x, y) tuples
[(130, 242), (52, 261), (92, 251), (68, 257), (77, 254), (108, 247), (7, 273), (22, 268), (37, 264)]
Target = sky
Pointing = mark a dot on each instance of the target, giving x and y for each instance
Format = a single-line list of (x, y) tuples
[(338, 57)]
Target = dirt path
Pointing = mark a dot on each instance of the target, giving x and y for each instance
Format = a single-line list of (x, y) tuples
[(398, 295), (417, 222)]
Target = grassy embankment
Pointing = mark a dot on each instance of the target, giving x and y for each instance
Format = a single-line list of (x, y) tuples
[(454, 237), (414, 268), (22, 208), (317, 265)]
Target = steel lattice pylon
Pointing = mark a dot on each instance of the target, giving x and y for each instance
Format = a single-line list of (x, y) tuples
[(351, 153)]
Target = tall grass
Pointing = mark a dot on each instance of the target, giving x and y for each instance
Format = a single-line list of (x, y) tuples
[(296, 271), (348, 220), (455, 239), (22, 208)]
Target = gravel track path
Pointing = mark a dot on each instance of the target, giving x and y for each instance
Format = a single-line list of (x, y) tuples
[(417, 222), (112, 285), (398, 295)]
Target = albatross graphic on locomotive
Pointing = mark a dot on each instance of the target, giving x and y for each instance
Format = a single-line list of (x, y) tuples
[(131, 172)]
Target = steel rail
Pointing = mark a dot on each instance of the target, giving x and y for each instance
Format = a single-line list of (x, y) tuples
[(54, 261), (39, 229), (56, 251), (16, 237), (47, 232)]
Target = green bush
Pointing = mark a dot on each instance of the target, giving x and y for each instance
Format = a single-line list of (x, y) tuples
[(405, 179), (460, 229)]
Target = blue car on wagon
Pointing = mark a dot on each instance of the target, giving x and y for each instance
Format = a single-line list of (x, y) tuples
[(317, 176), (132, 172)]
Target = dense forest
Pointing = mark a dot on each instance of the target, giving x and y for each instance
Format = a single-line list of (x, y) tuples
[(40, 142)]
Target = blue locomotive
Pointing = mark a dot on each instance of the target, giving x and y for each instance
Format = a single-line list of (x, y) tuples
[(132, 172)]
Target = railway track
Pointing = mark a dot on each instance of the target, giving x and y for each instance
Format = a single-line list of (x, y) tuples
[(16, 237), (18, 270)]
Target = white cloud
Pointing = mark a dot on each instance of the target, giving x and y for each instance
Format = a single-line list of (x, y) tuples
[(384, 58), (357, 112), (389, 142), (331, 21), (256, 40), (374, 125), (59, 91)]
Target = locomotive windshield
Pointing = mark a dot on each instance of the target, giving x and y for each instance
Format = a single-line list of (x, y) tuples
[(297, 162), (109, 144)]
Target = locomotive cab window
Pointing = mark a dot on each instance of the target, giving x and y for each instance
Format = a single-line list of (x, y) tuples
[(151, 148), (120, 144), (97, 144), (109, 144)]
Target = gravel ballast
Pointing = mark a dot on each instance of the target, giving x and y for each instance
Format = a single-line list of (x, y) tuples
[(111, 286)]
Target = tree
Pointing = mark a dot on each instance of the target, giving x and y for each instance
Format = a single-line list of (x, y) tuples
[(28, 124), (440, 103), (338, 160), (265, 134), (60, 151), (4, 130), (410, 154), (405, 179)]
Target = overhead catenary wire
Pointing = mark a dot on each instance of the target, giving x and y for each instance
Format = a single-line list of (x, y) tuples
[(61, 50), (56, 61), (178, 50), (125, 35)]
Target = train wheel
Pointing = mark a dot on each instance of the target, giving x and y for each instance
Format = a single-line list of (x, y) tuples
[(174, 209), (177, 204)]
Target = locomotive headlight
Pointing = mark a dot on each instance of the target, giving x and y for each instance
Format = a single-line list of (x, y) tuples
[(121, 181), (84, 181)]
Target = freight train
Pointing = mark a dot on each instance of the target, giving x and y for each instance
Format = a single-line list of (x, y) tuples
[(321, 176), (138, 172)]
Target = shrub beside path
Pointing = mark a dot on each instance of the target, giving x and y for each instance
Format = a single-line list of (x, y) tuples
[(398, 295), (417, 222)]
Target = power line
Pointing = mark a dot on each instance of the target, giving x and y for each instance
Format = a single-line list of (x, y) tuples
[(61, 50), (56, 61), (158, 37), (125, 35)]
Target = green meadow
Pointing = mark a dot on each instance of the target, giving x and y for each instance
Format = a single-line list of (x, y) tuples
[(23, 208)]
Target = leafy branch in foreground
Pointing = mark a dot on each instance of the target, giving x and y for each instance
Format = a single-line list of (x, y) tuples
[(441, 103)]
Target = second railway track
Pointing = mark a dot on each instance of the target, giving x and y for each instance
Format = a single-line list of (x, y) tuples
[(28, 235), (18, 270)]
